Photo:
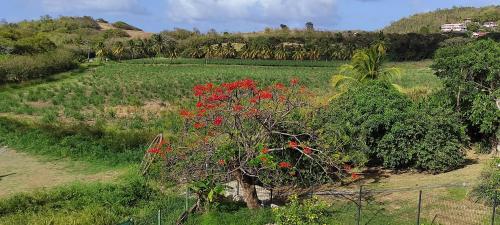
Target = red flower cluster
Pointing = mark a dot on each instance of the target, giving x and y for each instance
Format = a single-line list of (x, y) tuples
[(185, 114), (154, 150), (293, 144), (307, 150), (279, 86), (355, 176), (199, 125), (285, 165), (221, 162), (264, 150), (201, 89), (294, 81), (237, 108), (265, 95), (218, 121)]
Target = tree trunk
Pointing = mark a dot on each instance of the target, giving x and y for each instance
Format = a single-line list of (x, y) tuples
[(249, 192)]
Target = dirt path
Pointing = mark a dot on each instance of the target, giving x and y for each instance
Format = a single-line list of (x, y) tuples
[(20, 172)]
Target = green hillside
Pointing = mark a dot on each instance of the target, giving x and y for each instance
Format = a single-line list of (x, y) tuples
[(433, 20)]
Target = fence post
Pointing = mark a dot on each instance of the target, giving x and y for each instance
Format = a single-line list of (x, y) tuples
[(159, 216), (271, 196), (358, 217), (187, 198), (419, 206), (494, 208), (237, 188)]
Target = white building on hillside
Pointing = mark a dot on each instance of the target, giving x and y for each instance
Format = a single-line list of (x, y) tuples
[(453, 27), (490, 24)]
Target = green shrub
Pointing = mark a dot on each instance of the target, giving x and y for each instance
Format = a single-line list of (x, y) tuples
[(114, 33), (21, 68), (373, 123), (308, 212), (489, 187), (125, 26)]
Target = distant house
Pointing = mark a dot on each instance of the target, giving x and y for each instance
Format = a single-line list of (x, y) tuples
[(454, 27), (479, 34), (490, 24)]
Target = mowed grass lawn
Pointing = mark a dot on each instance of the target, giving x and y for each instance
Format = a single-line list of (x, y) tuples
[(108, 112)]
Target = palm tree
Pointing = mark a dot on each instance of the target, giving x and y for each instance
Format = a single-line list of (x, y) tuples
[(197, 53), (229, 51), (118, 50), (209, 52), (299, 54), (313, 54), (366, 64), (100, 50), (281, 53), (157, 44)]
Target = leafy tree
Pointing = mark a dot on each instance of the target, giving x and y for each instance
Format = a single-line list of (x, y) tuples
[(470, 75), (249, 133), (309, 26), (473, 27)]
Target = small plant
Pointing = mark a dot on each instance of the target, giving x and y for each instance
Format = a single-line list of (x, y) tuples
[(310, 211), (208, 192)]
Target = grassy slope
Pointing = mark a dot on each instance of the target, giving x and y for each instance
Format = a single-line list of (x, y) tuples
[(436, 18)]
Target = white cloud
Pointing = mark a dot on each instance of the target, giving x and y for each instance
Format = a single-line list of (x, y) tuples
[(258, 11), (115, 6)]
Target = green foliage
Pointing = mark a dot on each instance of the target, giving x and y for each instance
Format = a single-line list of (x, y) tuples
[(207, 190), (125, 26), (433, 20), (114, 33), (366, 64), (21, 68), (489, 187), (307, 212), (373, 123), (79, 203), (471, 76)]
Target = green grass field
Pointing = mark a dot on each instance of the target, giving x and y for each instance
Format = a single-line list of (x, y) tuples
[(106, 114)]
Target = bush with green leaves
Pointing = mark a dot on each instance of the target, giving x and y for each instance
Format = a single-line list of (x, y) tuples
[(471, 76), (489, 187), (21, 68), (307, 212), (374, 124), (125, 26)]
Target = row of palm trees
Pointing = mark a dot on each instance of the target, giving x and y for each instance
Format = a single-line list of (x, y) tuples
[(159, 46)]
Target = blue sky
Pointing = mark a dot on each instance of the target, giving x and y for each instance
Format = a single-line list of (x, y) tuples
[(234, 15)]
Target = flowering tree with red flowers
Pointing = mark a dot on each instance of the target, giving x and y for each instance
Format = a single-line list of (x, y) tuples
[(258, 135)]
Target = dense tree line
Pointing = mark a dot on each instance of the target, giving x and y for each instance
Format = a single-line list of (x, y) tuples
[(279, 45)]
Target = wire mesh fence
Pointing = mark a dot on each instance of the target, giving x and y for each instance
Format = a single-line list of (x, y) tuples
[(440, 205)]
